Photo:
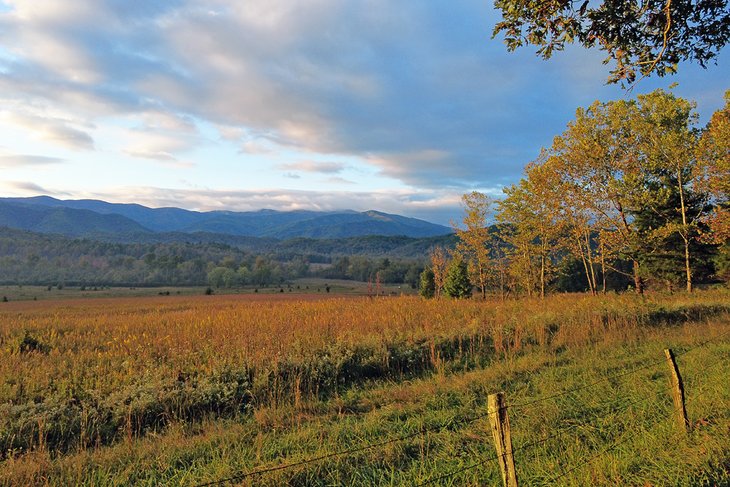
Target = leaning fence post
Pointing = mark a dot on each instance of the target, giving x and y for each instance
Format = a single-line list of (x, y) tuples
[(497, 409), (677, 390)]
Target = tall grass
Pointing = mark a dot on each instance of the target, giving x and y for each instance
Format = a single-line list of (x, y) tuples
[(76, 375), (580, 424)]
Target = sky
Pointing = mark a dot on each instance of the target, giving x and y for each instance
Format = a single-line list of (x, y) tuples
[(398, 106)]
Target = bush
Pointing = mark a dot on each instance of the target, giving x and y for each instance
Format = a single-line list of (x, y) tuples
[(427, 287), (31, 344), (457, 284)]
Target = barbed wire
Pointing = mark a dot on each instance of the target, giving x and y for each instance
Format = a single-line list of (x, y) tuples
[(492, 458), (589, 459), (471, 419), (590, 385), (613, 376), (350, 451), (524, 447), (643, 430), (722, 336)]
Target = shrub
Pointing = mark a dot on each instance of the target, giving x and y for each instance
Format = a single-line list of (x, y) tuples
[(31, 344)]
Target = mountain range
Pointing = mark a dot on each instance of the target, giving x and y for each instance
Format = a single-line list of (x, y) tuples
[(95, 219)]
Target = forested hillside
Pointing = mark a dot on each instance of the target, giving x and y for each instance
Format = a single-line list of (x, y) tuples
[(201, 259), (100, 219)]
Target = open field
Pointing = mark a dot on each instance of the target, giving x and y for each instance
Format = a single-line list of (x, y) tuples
[(296, 287), (187, 390)]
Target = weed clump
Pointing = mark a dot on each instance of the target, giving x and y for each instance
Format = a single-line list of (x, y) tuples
[(29, 344)]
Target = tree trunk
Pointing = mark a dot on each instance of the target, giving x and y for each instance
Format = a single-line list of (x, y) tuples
[(530, 279), (483, 279), (638, 281), (542, 276), (590, 261), (685, 231), (603, 263), (501, 280), (585, 265), (687, 267)]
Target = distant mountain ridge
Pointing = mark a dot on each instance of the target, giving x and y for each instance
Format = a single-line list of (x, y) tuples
[(94, 218), (66, 221)]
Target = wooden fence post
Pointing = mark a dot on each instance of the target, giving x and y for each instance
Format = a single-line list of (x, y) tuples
[(497, 409), (677, 390)]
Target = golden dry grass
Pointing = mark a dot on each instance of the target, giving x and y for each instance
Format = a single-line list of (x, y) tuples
[(80, 373)]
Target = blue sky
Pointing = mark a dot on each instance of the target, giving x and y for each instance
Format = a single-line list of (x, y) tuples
[(318, 104)]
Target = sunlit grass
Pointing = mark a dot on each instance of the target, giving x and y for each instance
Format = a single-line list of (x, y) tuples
[(194, 389)]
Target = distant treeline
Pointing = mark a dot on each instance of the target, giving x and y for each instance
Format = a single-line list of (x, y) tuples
[(32, 258)]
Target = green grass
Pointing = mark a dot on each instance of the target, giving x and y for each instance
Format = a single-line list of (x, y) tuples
[(619, 431)]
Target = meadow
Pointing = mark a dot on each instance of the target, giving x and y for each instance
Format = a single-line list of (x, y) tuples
[(297, 287), (186, 390)]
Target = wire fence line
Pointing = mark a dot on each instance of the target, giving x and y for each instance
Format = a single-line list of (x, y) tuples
[(487, 460), (525, 447), (471, 419), (615, 444), (350, 451), (612, 377)]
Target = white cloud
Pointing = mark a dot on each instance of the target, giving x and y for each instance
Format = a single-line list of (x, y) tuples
[(338, 180), (23, 160), (27, 188), (161, 136), (59, 131), (314, 166), (437, 206), (415, 89)]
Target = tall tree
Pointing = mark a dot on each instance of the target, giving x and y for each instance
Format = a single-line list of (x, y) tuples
[(439, 265), (714, 163), (581, 226), (667, 145), (474, 238), (630, 184), (639, 36), (597, 160), (534, 227)]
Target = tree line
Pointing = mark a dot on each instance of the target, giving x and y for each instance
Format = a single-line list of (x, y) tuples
[(632, 194), (32, 258)]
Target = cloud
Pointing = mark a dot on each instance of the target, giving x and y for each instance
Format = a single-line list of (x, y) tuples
[(338, 180), (314, 166), (27, 186), (254, 147), (59, 131), (21, 160), (378, 80), (439, 206), (416, 89), (30, 188), (160, 136), (156, 156)]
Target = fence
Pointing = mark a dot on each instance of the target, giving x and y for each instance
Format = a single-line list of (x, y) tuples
[(498, 414)]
